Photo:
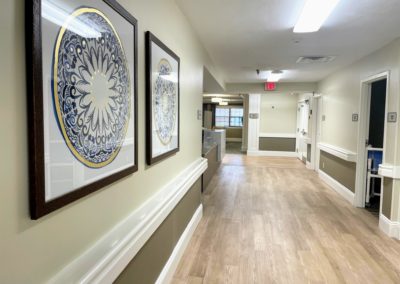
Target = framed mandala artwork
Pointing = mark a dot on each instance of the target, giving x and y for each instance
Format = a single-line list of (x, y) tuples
[(82, 98), (162, 100)]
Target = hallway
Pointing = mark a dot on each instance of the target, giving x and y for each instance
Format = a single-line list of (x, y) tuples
[(270, 220)]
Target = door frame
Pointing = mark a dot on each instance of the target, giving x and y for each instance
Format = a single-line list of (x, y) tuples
[(298, 153), (316, 130), (361, 166)]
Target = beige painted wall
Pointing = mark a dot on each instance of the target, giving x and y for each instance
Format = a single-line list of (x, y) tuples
[(278, 113), (341, 97), (32, 251), (210, 84)]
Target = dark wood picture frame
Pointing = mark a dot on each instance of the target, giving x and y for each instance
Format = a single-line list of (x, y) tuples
[(150, 39), (33, 30)]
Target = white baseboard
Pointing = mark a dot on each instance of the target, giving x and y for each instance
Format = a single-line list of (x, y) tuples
[(308, 165), (390, 228), (108, 257), (169, 269), (337, 186), (272, 153), (233, 139)]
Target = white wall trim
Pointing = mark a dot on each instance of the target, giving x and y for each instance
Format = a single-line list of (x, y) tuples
[(390, 228), (390, 171), (271, 153), (108, 257), (169, 269), (253, 129), (315, 132), (337, 186), (338, 152), (277, 135), (233, 139), (309, 165)]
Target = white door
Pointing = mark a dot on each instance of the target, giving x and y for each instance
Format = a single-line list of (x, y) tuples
[(302, 129)]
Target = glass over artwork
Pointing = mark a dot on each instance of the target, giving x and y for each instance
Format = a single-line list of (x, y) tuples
[(165, 101), (92, 93)]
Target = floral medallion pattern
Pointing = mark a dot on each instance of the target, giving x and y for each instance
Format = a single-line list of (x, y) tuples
[(164, 102), (91, 87)]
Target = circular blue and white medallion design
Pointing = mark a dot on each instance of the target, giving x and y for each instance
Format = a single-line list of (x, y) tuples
[(91, 87), (165, 101)]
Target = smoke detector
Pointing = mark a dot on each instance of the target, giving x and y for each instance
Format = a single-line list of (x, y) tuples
[(315, 59)]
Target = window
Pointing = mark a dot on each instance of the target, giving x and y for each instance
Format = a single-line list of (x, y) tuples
[(236, 117), (229, 117), (222, 117)]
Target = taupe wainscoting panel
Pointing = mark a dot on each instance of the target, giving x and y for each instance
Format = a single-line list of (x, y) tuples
[(387, 197), (342, 171), (277, 144), (213, 164), (234, 132), (309, 153), (148, 263)]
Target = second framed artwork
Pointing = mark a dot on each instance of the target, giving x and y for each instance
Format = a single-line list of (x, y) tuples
[(162, 100)]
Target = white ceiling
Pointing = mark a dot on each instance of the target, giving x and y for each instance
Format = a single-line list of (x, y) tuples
[(244, 35)]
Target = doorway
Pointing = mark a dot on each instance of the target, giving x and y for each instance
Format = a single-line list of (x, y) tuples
[(303, 109), (371, 142), (374, 142)]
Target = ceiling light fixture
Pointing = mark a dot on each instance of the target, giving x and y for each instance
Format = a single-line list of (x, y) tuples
[(223, 103), (313, 15), (274, 76), (262, 74), (216, 100)]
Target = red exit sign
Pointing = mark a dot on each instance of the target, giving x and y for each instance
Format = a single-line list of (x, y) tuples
[(270, 86)]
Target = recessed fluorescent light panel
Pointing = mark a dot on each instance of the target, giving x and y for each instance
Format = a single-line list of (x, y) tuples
[(223, 103), (216, 100), (275, 76), (314, 14)]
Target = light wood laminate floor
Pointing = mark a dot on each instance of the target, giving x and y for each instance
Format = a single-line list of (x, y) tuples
[(270, 220)]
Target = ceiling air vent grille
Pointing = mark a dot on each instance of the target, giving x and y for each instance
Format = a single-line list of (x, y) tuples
[(315, 59)]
